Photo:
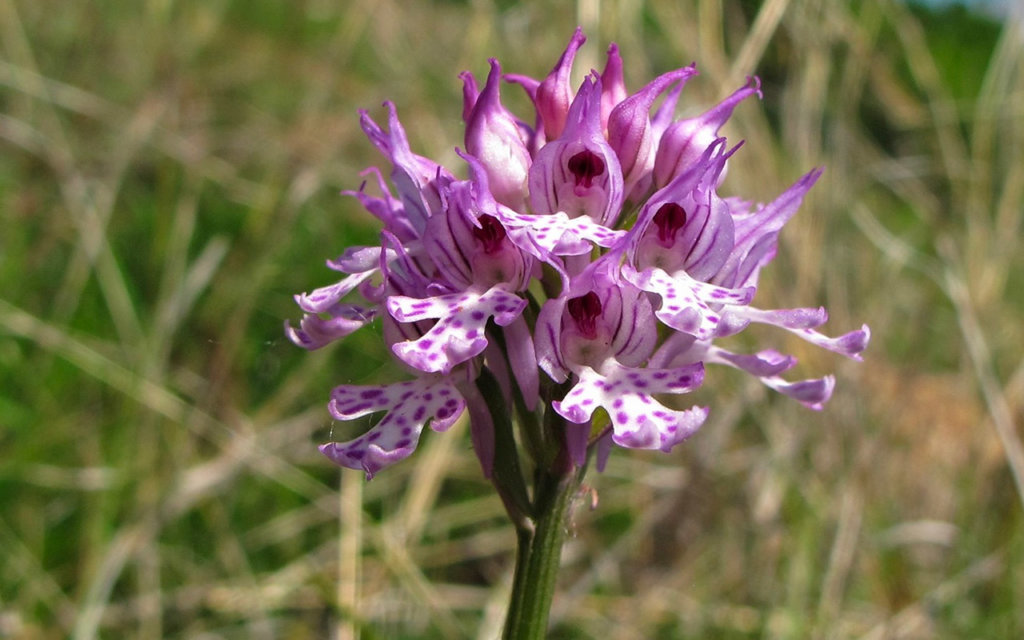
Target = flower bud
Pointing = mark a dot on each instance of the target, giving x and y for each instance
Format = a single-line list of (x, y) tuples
[(685, 141), (498, 141)]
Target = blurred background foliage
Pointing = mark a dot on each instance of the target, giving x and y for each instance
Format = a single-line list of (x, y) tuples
[(170, 175)]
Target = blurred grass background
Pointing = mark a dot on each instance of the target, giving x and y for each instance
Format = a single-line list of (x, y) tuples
[(169, 177)]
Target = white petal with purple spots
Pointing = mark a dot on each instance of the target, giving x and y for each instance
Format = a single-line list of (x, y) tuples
[(687, 305), (458, 334), (409, 406), (638, 420)]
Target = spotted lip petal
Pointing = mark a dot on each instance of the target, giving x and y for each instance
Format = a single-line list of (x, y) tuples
[(638, 420), (459, 333), (409, 405), (687, 305)]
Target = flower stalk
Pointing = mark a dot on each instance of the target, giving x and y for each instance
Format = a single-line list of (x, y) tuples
[(539, 552)]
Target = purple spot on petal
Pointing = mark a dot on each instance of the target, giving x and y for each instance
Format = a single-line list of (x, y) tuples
[(401, 444), (622, 417)]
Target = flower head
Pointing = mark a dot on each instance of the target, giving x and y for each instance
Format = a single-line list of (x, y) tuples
[(587, 263)]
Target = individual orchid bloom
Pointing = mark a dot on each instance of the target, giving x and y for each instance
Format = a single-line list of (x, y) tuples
[(481, 271), (685, 141), (546, 237), (579, 173), (498, 140), (632, 135), (599, 333), (683, 236)]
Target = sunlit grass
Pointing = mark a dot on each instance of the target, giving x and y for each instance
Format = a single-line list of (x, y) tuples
[(169, 177)]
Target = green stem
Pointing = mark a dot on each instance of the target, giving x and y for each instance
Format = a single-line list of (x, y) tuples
[(539, 552)]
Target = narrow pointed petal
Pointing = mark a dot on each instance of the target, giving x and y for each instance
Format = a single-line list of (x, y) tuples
[(387, 208), (613, 84), (409, 405), (756, 233), (813, 393), (554, 93), (683, 142), (323, 299), (315, 332), (470, 94), (416, 178)]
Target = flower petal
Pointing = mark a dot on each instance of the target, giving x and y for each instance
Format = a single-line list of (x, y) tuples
[(686, 303), (813, 393), (315, 332), (458, 334), (323, 299), (638, 420), (409, 406)]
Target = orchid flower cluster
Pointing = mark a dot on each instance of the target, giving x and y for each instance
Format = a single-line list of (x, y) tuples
[(587, 265)]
